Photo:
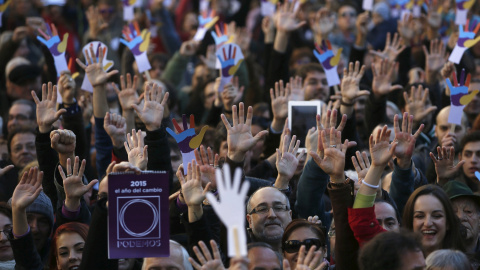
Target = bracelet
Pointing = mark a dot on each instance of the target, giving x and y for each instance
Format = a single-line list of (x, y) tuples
[(370, 185), (346, 104), (340, 184)]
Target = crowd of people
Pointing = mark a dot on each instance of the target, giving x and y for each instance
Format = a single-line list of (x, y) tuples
[(384, 181)]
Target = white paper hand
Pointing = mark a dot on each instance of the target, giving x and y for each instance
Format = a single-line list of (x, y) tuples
[(231, 208)]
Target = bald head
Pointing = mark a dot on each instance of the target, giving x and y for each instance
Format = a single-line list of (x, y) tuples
[(442, 129), (178, 260)]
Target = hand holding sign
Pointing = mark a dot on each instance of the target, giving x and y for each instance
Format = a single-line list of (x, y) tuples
[(459, 97), (56, 47), (128, 6), (462, 9), (466, 39), (98, 47), (230, 57), (231, 208), (138, 43), (329, 61), (186, 139), (206, 20)]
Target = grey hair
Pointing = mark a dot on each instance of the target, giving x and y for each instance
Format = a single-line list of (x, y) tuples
[(447, 258), (185, 256), (249, 206)]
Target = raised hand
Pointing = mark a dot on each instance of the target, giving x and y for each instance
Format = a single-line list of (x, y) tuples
[(444, 166), (437, 57), (95, 23), (73, 184), (63, 141), (206, 260), (297, 92), (153, 107), (393, 47), (287, 161), (350, 89), (381, 151), (406, 29), (116, 128), (446, 71), (128, 96), (239, 136), (361, 164), (466, 39), (331, 156), (55, 46), (189, 48), (285, 18), (211, 58), (312, 261), (230, 208), (279, 100), (192, 190), (329, 61), (27, 190), (405, 140), (326, 122), (47, 112), (137, 150), (383, 77), (95, 70), (205, 21), (66, 87), (138, 43), (207, 164), (323, 24), (418, 104), (186, 138)]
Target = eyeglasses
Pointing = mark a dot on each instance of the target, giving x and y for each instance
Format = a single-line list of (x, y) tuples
[(350, 14), (331, 233), (263, 209), (292, 246), (7, 230)]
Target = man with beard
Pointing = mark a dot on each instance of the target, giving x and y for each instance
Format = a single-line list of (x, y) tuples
[(467, 208), (268, 213)]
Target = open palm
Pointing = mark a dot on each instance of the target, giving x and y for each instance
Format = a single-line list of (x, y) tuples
[(27, 189)]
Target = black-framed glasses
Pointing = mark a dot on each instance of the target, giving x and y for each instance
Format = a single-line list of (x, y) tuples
[(292, 246), (7, 230), (263, 209)]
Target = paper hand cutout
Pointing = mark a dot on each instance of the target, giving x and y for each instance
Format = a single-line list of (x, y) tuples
[(417, 8), (128, 6), (477, 174), (56, 47), (230, 57), (107, 64), (466, 39), (138, 43), (461, 11), (220, 37), (186, 139), (329, 61), (459, 97), (206, 20), (204, 4), (3, 7), (230, 208)]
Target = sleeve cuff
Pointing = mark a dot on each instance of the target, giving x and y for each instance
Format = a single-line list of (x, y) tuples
[(70, 214)]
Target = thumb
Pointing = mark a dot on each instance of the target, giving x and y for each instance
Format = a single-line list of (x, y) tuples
[(286, 265), (59, 113), (459, 165), (90, 185), (260, 135)]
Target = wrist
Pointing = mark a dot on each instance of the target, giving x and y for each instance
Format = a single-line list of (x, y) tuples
[(278, 123), (404, 163), (337, 179), (72, 204), (118, 142), (44, 128), (153, 127), (282, 182), (236, 156)]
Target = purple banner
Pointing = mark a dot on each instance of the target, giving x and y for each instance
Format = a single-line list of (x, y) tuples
[(138, 217)]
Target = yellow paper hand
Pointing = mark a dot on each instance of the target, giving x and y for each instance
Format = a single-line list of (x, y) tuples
[(467, 98), (62, 46), (4, 6), (212, 23), (146, 40), (335, 60), (470, 43), (234, 69), (197, 140)]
